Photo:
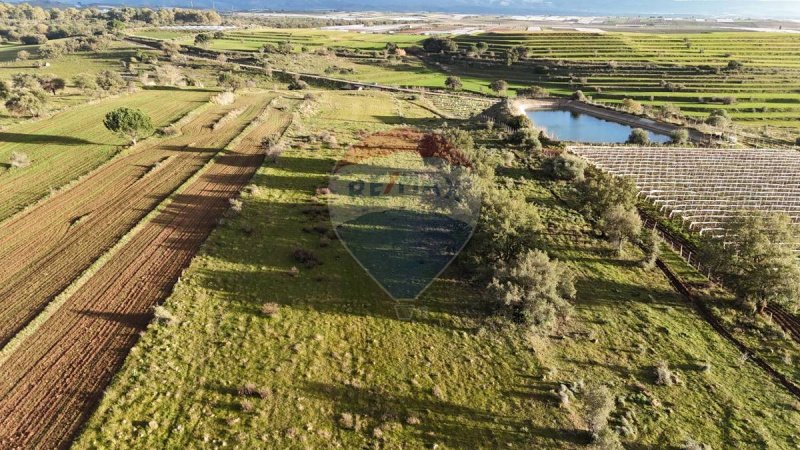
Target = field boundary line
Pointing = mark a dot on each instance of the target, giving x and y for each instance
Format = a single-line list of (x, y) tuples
[(31, 327), (126, 150)]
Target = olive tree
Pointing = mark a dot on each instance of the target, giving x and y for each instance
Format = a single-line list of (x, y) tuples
[(757, 259), (454, 83), (620, 224), (534, 290), (499, 86), (129, 122), (639, 136)]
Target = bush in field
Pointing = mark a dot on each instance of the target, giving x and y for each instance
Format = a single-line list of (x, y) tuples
[(168, 75), (230, 81), (109, 80), (534, 290), (668, 111), (270, 309), (33, 39), (606, 439), (84, 81), (52, 84), (579, 96), (170, 47), (453, 83), (224, 98), (719, 118), (19, 160), (203, 40), (532, 92), (620, 224), (26, 102), (129, 122), (756, 259), (525, 137), (499, 86), (519, 122), (565, 167), (638, 136), (23, 55), (797, 141), (679, 137), (664, 376), (296, 84), (439, 45), (632, 106), (651, 245), (598, 403), (5, 89), (734, 65), (306, 257)]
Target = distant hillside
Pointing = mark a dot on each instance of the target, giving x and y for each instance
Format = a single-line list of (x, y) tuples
[(740, 8)]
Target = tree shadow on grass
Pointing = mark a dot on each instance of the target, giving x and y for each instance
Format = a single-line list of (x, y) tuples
[(440, 421), (26, 138)]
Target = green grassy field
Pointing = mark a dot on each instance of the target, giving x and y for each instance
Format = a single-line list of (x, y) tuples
[(336, 368), (72, 143)]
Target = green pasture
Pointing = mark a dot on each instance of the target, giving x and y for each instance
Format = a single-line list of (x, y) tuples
[(335, 367)]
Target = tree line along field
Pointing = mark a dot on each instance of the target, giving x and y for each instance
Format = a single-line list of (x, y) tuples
[(328, 364), (72, 143), (686, 70)]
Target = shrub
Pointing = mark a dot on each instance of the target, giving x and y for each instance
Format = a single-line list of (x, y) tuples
[(109, 80), (565, 167), (168, 75), (518, 122), (236, 205), (19, 160), (664, 376), (499, 86), (598, 404), (230, 81), (84, 81), (579, 96), (270, 309), (224, 98), (26, 102), (606, 439), (454, 83), (638, 136), (679, 137), (632, 106), (306, 257), (532, 92), (526, 137), (601, 191), (23, 55), (534, 290), (297, 84), (162, 314), (651, 244), (33, 39)]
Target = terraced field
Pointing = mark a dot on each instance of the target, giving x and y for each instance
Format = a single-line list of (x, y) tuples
[(52, 382), (73, 143), (766, 91)]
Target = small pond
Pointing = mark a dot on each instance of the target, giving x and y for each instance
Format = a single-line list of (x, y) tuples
[(578, 127)]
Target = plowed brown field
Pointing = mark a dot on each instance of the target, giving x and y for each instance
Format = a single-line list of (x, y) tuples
[(43, 250), (52, 382)]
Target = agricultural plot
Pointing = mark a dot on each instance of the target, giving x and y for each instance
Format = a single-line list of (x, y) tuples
[(311, 39), (52, 382), (687, 70), (707, 186), (328, 364), (70, 144), (44, 249)]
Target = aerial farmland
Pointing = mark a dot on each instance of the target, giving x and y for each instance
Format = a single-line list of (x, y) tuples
[(394, 230)]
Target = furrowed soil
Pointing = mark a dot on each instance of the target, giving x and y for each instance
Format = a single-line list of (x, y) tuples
[(44, 249), (53, 381)]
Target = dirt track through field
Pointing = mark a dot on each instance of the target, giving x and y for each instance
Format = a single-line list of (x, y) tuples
[(52, 383), (43, 250)]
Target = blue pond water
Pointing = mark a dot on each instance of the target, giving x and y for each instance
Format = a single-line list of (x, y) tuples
[(577, 127)]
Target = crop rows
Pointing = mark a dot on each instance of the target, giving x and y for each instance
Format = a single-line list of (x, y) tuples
[(51, 386), (47, 247)]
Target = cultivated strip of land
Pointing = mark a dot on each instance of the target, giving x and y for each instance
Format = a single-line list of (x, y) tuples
[(44, 249), (53, 381)]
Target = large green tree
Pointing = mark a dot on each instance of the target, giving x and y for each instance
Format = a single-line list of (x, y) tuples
[(757, 259), (129, 122)]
